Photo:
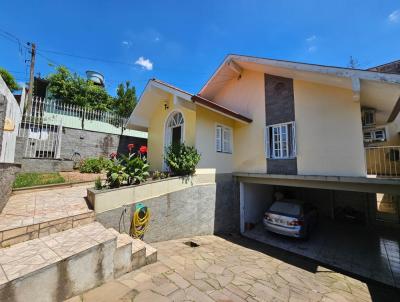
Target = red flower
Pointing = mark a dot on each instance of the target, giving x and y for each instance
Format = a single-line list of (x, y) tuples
[(113, 155), (143, 149), (130, 147)]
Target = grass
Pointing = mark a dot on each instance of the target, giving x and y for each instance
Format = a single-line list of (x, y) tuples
[(37, 179)]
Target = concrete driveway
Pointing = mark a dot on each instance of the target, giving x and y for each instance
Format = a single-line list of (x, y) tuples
[(234, 269)]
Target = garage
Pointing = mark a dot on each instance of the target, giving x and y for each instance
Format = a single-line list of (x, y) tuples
[(357, 232)]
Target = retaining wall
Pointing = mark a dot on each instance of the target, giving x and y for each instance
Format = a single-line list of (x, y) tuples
[(86, 143), (199, 209)]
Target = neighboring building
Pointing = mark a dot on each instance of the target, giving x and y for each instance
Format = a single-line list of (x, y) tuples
[(279, 125)]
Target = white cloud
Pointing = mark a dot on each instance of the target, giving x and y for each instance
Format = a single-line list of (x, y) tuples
[(145, 63), (156, 39), (127, 44), (312, 49), (311, 39), (394, 16)]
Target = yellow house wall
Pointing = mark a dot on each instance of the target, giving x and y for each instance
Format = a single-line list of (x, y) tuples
[(206, 121), (328, 131), (247, 97), (156, 131)]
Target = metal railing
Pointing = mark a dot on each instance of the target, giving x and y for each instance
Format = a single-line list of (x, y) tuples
[(383, 161)]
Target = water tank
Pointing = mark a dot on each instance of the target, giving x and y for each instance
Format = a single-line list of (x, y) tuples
[(95, 77)]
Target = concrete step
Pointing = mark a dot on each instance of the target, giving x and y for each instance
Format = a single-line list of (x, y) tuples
[(57, 266), (137, 251)]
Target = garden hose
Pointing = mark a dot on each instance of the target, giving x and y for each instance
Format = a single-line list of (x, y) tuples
[(140, 221)]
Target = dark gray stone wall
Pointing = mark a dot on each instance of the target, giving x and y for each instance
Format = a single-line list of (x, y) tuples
[(42, 165), (7, 177), (200, 210), (94, 144), (282, 166), (279, 108), (87, 143)]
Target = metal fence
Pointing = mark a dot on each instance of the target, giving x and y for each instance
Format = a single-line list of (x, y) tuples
[(41, 126), (383, 161), (42, 136)]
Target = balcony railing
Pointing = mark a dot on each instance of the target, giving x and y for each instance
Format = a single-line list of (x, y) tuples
[(383, 161)]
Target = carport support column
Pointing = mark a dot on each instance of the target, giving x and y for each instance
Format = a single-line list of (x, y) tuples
[(241, 199)]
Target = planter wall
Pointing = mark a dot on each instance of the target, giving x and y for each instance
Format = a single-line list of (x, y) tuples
[(105, 200)]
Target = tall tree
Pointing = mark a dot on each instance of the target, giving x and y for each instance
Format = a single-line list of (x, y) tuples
[(125, 101), (9, 80), (73, 89)]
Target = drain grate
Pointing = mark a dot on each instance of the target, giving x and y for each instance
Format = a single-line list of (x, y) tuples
[(191, 244)]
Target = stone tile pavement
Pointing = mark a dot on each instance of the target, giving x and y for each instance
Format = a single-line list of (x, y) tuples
[(39, 213), (234, 269), (371, 252)]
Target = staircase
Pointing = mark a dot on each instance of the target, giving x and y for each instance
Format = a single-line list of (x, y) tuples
[(69, 259)]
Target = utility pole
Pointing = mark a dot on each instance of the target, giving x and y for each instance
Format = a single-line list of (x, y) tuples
[(31, 75)]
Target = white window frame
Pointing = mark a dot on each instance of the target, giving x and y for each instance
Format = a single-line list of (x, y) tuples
[(221, 147), (370, 121), (370, 136), (281, 147)]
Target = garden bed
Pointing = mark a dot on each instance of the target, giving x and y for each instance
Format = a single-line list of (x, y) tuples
[(108, 199)]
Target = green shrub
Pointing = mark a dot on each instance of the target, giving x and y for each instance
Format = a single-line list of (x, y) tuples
[(181, 159), (136, 168), (94, 165), (159, 175), (116, 174), (97, 183)]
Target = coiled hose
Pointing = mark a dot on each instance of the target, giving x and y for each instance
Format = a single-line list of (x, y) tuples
[(140, 221)]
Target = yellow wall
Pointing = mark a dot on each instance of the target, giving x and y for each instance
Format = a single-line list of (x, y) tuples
[(328, 130), (247, 96), (157, 131), (206, 121)]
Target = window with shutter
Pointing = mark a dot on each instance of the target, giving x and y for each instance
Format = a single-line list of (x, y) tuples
[(223, 139), (218, 139), (280, 141)]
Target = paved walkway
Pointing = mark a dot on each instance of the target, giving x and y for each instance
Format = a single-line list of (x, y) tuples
[(40, 206), (236, 270)]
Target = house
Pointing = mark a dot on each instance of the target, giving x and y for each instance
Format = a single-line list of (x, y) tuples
[(310, 131)]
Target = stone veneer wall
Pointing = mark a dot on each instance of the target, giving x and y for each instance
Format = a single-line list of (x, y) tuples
[(87, 143), (7, 177), (279, 108), (198, 210)]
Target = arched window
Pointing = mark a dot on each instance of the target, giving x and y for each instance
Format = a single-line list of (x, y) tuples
[(174, 129)]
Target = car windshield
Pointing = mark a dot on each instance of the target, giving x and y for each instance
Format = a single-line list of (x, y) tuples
[(284, 207)]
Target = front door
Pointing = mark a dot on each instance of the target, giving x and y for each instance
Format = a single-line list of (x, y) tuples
[(173, 131)]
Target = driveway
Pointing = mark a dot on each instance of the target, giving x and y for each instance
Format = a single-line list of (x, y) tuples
[(371, 252), (235, 269)]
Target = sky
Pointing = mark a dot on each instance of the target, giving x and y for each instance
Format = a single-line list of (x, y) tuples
[(183, 42)]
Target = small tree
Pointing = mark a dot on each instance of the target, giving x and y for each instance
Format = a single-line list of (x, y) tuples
[(9, 80), (125, 101)]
